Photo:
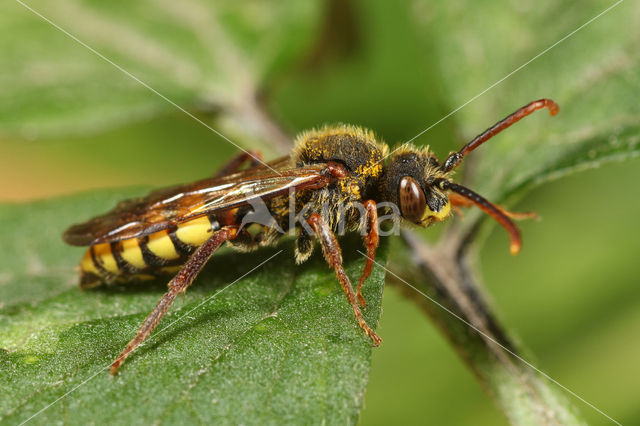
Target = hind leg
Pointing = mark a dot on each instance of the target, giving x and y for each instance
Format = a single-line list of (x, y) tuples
[(371, 240), (177, 285)]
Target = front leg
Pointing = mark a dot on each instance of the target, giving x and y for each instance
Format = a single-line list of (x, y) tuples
[(458, 201), (333, 256)]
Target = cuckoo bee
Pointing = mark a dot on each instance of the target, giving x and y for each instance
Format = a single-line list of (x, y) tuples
[(177, 229)]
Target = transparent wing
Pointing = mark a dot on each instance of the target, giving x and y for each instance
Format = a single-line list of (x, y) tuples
[(166, 208)]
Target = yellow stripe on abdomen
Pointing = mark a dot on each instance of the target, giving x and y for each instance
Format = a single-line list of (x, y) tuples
[(104, 257), (87, 265), (161, 245), (195, 232), (132, 254), (157, 252)]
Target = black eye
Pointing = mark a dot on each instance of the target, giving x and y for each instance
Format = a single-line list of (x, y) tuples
[(412, 200)]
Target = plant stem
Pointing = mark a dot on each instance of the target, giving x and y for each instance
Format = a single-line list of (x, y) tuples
[(454, 302)]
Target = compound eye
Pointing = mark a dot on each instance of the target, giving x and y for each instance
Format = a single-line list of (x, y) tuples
[(412, 200)]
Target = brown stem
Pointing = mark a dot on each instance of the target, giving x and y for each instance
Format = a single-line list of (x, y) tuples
[(455, 303)]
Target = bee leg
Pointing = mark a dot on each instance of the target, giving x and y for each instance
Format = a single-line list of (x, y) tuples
[(235, 164), (459, 201), (177, 285), (333, 256), (371, 240)]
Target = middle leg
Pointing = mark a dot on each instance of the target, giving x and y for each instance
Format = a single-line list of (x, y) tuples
[(459, 201), (333, 256), (371, 240)]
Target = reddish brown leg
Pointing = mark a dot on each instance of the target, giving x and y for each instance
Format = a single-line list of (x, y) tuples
[(459, 201), (333, 256), (490, 209), (371, 243), (177, 285), (235, 164)]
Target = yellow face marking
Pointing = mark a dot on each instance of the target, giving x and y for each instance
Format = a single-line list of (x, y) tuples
[(195, 232), (132, 254), (432, 216), (161, 245), (86, 264), (105, 257)]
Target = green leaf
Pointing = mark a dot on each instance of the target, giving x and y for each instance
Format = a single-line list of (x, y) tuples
[(279, 344), (195, 52)]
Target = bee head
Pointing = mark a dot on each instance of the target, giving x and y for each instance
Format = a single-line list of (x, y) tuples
[(421, 188), (411, 183)]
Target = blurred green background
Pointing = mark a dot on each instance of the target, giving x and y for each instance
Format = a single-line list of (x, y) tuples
[(571, 296)]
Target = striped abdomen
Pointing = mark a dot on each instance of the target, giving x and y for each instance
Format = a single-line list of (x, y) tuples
[(143, 258)]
